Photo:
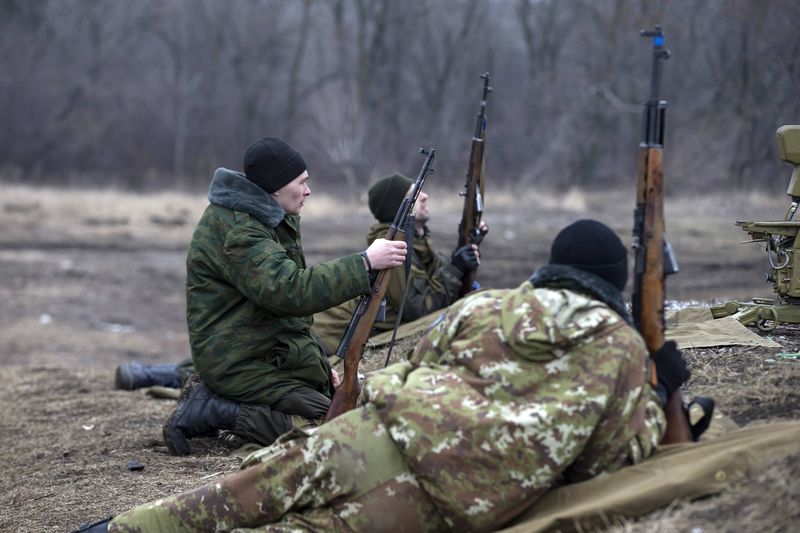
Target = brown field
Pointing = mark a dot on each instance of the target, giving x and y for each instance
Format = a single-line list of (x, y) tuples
[(91, 279)]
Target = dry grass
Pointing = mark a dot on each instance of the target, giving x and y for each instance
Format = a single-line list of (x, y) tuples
[(97, 216), (767, 385)]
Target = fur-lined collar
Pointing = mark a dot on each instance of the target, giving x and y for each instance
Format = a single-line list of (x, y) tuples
[(233, 190)]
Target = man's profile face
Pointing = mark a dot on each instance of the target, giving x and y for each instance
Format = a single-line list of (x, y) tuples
[(291, 196), (421, 207)]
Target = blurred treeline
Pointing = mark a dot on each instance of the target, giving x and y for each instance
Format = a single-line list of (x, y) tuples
[(155, 94)]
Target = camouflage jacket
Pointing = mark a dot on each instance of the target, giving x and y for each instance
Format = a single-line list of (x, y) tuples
[(250, 297), (434, 283), (513, 392)]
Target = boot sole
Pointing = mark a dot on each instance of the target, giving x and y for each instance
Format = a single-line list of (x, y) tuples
[(176, 441), (174, 438), (123, 379)]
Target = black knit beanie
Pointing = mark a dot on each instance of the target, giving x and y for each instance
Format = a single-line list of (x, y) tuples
[(271, 163), (386, 195), (594, 247)]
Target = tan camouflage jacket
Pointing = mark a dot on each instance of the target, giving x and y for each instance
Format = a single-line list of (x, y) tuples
[(513, 392)]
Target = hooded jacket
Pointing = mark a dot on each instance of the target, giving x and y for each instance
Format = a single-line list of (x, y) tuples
[(514, 391), (250, 296)]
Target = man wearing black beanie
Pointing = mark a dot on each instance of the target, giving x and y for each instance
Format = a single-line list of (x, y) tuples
[(593, 247), (434, 280), (250, 298)]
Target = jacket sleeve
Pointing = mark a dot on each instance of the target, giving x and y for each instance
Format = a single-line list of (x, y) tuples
[(631, 426), (264, 272), (426, 293)]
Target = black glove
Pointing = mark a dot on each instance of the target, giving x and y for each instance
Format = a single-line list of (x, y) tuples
[(465, 259), (671, 367)]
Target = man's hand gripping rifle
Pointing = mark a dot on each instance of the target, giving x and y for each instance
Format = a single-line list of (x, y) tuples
[(351, 347)]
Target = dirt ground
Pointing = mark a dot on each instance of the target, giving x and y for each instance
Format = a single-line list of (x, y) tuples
[(92, 279)]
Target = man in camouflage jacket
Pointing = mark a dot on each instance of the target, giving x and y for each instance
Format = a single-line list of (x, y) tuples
[(250, 298), (434, 280), (515, 391)]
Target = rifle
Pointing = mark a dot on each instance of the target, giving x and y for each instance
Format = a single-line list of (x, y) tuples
[(468, 228), (654, 259), (351, 346)]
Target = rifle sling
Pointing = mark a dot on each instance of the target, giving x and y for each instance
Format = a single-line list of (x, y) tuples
[(409, 235)]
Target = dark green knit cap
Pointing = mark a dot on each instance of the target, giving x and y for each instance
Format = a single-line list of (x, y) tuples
[(386, 195)]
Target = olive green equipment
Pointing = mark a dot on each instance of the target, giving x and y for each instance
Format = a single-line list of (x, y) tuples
[(783, 253)]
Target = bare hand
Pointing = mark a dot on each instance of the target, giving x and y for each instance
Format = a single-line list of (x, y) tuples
[(483, 229), (335, 378), (477, 252), (385, 254)]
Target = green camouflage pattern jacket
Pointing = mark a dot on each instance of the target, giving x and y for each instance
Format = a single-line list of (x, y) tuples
[(433, 283), (250, 297), (512, 393)]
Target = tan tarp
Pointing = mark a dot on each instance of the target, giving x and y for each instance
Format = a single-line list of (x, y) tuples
[(677, 472), (694, 327), (691, 327)]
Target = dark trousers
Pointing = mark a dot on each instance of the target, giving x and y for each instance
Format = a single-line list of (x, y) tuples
[(265, 423)]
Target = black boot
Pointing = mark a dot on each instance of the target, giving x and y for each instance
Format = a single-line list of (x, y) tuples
[(199, 412), (101, 526), (135, 375)]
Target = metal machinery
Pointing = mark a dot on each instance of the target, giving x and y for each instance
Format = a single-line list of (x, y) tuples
[(783, 252)]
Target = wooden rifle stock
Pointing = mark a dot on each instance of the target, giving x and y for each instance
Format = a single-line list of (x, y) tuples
[(469, 227), (348, 390), (649, 243), (355, 337), (650, 318)]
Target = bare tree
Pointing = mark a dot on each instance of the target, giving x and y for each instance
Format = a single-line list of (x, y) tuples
[(158, 92)]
